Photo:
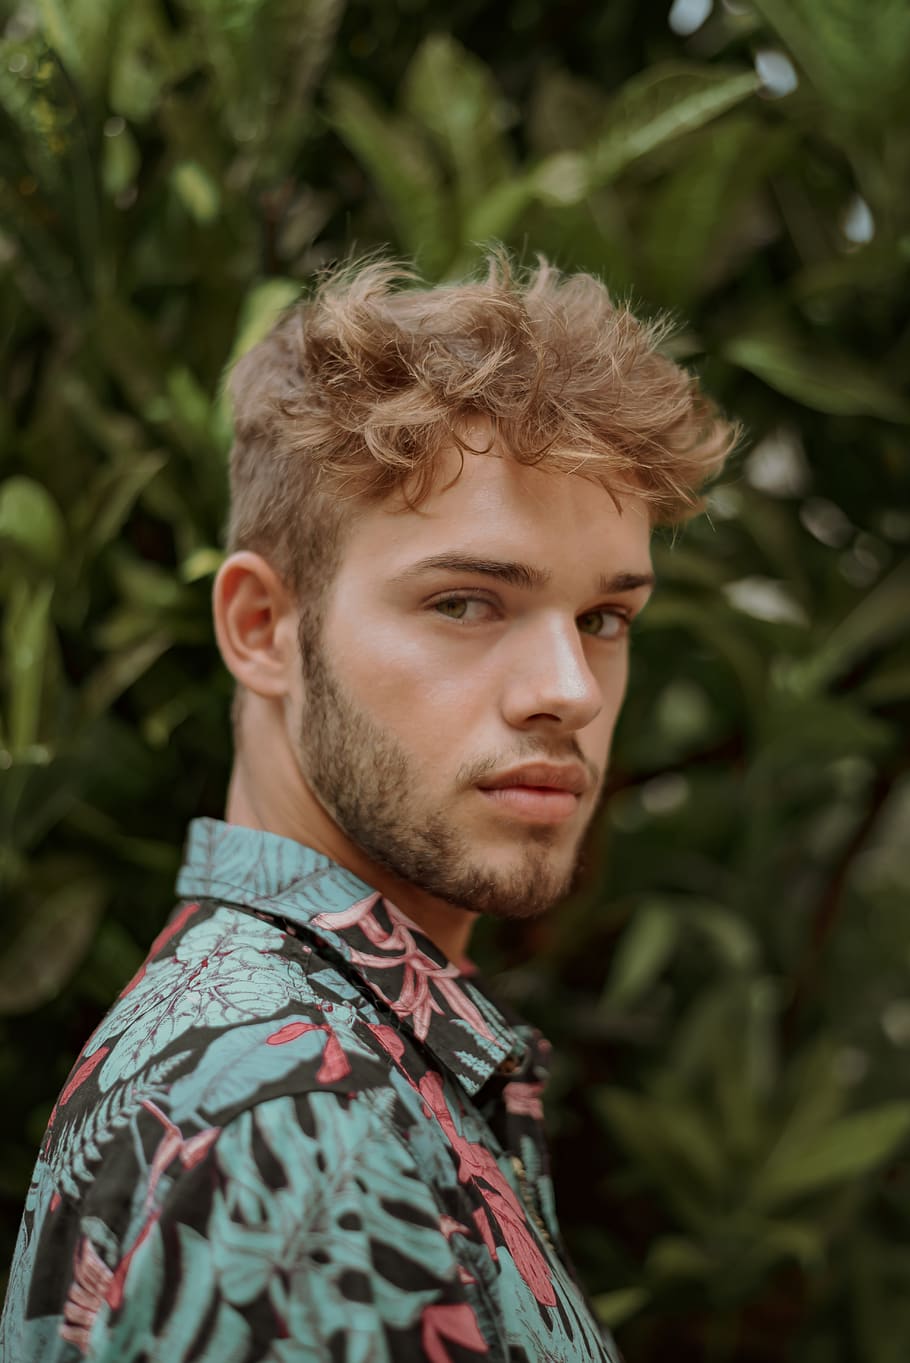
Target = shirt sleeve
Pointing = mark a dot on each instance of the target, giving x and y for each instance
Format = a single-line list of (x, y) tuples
[(300, 1231)]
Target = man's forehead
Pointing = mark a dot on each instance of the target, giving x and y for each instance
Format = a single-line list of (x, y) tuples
[(493, 482)]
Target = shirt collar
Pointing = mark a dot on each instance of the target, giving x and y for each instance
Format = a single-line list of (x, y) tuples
[(444, 1008)]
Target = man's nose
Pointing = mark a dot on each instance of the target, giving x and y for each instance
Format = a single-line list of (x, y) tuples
[(549, 678)]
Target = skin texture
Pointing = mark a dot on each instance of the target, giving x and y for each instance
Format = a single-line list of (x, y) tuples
[(369, 734)]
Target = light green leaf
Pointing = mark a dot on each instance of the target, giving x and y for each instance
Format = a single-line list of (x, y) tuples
[(452, 95), (27, 629), (644, 949), (404, 171), (261, 309), (825, 380), (837, 44), (31, 519), (115, 495), (493, 217), (675, 1256), (732, 938), (117, 673), (695, 232), (881, 618), (120, 162), (197, 191), (660, 105), (612, 1308), (849, 1148), (145, 584)]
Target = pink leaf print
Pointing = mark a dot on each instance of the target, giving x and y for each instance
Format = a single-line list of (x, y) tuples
[(335, 1064), (455, 1322), (389, 1039), (524, 1100), (167, 932), (449, 1227), (79, 1076), (482, 1222), (290, 1032), (115, 1290), (198, 1146), (478, 1165), (420, 971), (529, 1261), (88, 1290), (172, 1146)]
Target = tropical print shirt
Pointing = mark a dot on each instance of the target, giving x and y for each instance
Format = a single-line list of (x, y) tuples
[(301, 1133)]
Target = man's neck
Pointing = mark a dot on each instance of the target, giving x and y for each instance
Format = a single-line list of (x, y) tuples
[(288, 807)]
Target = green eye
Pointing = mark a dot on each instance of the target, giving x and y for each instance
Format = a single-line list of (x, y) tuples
[(455, 608), (601, 624)]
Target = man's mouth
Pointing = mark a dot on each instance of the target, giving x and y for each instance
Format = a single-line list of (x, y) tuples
[(537, 792)]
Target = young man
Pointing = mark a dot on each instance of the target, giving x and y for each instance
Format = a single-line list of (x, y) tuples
[(306, 1130)]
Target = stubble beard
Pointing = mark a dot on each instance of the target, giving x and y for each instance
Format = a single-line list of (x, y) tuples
[(365, 779)]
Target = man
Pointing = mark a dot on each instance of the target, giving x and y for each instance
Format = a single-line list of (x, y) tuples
[(306, 1130)]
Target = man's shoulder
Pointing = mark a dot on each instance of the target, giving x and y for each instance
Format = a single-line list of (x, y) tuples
[(228, 1011)]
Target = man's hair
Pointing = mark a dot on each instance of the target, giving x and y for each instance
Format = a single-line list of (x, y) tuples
[(358, 390)]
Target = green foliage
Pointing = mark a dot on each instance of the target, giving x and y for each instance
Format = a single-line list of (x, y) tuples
[(729, 988)]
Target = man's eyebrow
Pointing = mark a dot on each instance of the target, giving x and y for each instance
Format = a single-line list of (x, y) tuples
[(506, 570), (624, 582), (516, 574)]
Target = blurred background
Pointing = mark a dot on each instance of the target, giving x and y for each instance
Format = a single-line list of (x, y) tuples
[(729, 991)]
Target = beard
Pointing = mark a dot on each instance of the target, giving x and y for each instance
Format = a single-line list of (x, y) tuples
[(366, 781)]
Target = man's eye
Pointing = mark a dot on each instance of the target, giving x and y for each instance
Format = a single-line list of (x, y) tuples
[(603, 624), (466, 609)]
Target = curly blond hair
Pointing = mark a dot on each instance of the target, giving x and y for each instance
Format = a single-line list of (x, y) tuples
[(359, 388)]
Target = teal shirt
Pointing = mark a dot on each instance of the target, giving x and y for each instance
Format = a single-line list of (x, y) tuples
[(299, 1134)]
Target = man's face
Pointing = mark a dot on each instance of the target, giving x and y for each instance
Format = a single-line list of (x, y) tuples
[(460, 698)]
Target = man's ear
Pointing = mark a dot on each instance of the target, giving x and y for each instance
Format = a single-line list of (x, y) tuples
[(256, 620)]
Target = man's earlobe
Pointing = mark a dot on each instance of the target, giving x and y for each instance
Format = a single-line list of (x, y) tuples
[(255, 624)]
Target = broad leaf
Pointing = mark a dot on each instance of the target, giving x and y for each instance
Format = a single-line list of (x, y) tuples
[(659, 106), (825, 380), (847, 1149)]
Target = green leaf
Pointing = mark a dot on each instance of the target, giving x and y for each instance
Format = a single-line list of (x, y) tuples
[(451, 94), (492, 219), (881, 618), (47, 950), (732, 938), (111, 500), (815, 375), (612, 1308), (120, 162), (675, 1256), (404, 170), (27, 630), (117, 673), (695, 233), (847, 1149), (261, 308), (672, 1142), (197, 191), (838, 44), (660, 105), (644, 949), (31, 519)]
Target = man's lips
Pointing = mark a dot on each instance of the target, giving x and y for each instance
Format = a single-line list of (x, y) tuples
[(570, 777), (537, 793)]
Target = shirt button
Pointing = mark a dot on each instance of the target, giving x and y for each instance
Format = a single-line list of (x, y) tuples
[(508, 1066)]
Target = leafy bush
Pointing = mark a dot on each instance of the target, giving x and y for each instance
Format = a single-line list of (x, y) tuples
[(729, 990)]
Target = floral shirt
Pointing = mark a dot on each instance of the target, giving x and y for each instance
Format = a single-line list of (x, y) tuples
[(300, 1134)]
